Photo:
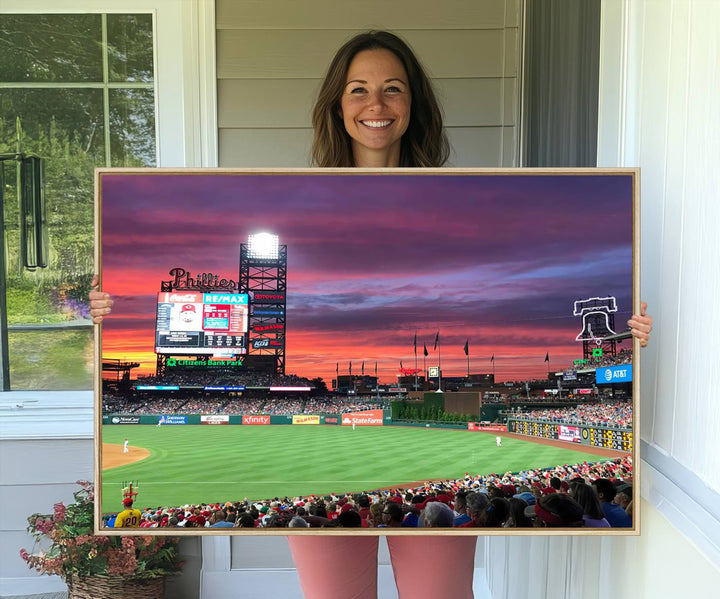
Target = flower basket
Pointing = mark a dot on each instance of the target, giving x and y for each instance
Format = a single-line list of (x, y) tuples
[(116, 587), (98, 566)]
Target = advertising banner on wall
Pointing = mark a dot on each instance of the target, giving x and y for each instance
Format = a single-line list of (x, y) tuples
[(172, 419), (215, 419), (125, 420), (478, 426), (569, 433), (367, 418), (256, 419), (614, 374), (306, 419)]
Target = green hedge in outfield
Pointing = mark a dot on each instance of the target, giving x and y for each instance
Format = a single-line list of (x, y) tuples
[(192, 464)]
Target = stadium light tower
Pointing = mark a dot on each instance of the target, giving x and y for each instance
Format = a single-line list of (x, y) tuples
[(263, 276)]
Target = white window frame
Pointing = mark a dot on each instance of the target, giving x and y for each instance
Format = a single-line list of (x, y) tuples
[(184, 45), (186, 136)]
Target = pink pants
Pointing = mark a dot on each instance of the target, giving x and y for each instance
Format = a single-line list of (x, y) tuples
[(333, 567)]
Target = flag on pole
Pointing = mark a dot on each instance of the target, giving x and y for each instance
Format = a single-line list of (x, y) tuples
[(465, 349), (493, 358), (437, 338), (547, 357), (415, 344), (363, 368), (425, 351)]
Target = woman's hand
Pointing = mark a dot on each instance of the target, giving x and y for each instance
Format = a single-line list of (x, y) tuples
[(641, 325), (100, 303)]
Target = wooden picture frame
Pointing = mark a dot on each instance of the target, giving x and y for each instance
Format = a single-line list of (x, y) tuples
[(507, 279)]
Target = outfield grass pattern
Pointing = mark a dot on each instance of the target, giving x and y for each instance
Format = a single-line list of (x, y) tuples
[(197, 464)]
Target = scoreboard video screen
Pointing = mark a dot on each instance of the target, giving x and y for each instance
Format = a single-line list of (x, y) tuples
[(193, 322)]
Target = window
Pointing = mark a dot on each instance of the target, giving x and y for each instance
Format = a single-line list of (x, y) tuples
[(77, 90)]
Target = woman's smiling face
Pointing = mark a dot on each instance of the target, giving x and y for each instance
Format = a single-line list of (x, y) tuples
[(375, 107)]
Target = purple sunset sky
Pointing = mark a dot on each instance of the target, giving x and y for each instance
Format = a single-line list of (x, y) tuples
[(496, 259)]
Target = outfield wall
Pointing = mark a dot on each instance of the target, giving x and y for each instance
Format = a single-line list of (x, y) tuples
[(462, 426), (378, 418), (595, 436)]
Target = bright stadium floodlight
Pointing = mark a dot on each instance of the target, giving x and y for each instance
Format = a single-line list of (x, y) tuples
[(264, 246)]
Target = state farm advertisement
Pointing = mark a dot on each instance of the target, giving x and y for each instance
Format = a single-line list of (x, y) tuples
[(215, 419), (256, 420), (306, 419), (569, 433), (490, 428), (369, 418)]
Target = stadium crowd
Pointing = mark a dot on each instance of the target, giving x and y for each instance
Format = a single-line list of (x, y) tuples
[(115, 404), (613, 415), (223, 377), (597, 495)]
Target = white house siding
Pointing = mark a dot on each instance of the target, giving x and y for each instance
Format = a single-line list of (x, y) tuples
[(271, 58), (659, 84)]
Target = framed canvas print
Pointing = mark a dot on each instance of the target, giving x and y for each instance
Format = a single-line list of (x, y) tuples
[(402, 351)]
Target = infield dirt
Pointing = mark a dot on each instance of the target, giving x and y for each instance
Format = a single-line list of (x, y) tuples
[(113, 456)]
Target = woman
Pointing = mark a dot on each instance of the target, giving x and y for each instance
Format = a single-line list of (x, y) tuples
[(517, 518), (592, 510), (376, 108)]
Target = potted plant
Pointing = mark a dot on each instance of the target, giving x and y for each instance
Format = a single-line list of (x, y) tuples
[(93, 566)]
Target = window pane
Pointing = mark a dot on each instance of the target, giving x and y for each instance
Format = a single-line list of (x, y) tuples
[(53, 359), (65, 128), (37, 48), (53, 118), (130, 48), (132, 127)]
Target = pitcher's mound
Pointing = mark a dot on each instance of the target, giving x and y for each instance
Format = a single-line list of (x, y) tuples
[(113, 456)]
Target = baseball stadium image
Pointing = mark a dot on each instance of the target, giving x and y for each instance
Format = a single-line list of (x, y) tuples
[(309, 350)]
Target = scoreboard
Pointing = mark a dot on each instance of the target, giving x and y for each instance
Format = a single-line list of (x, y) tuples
[(608, 438), (544, 430), (197, 323)]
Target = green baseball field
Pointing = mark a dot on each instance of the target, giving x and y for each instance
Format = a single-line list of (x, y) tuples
[(176, 465)]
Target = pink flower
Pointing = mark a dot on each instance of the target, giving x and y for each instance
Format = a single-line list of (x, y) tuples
[(59, 512), (43, 526), (128, 543), (121, 562), (24, 555)]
